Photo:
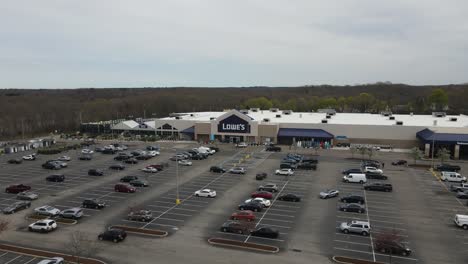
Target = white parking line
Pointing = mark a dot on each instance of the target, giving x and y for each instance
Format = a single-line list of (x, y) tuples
[(365, 252), (29, 261), (282, 215), (349, 242), (277, 220), (264, 238), (282, 210), (11, 260)]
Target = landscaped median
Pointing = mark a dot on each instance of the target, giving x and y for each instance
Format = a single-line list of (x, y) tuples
[(346, 260), (142, 231), (48, 254), (243, 245), (63, 221)]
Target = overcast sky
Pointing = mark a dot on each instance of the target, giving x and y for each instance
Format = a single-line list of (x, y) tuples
[(132, 43)]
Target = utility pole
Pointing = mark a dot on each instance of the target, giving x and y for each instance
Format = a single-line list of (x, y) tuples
[(22, 128)]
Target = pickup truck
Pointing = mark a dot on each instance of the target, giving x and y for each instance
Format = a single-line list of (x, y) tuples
[(459, 187)]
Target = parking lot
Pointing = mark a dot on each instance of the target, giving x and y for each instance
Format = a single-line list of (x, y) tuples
[(14, 258)]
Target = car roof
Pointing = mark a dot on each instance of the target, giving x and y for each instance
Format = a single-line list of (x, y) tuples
[(360, 222)]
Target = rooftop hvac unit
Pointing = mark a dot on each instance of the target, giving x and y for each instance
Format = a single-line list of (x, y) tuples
[(244, 111), (212, 118), (178, 117), (386, 113), (439, 114), (435, 123), (328, 116), (278, 116), (453, 119), (192, 115), (324, 121), (399, 123), (391, 118), (254, 109), (287, 112), (266, 119), (274, 110)]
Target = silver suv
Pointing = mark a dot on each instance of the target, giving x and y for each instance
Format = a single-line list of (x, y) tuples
[(269, 187), (73, 213), (359, 227)]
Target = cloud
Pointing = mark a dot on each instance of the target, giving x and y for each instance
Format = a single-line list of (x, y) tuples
[(227, 43)]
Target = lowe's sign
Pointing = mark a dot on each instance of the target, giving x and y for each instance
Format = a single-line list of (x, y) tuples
[(233, 124)]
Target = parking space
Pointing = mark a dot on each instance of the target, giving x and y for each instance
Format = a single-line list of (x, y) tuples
[(169, 216), (15, 258)]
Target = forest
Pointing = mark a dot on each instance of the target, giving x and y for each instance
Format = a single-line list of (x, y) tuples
[(37, 112)]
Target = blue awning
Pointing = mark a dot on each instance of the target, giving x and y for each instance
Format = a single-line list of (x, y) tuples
[(190, 130), (305, 133), (428, 135)]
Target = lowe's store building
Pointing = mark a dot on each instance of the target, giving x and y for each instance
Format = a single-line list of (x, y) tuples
[(288, 127)]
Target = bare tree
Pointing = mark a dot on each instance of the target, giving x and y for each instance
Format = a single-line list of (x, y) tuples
[(370, 152), (353, 150), (4, 225), (362, 151), (81, 246), (443, 154)]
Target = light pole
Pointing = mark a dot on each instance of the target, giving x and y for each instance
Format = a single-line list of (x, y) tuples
[(155, 132), (433, 148), (177, 201)]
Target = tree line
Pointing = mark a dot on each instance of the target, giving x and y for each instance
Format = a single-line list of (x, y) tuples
[(37, 112)]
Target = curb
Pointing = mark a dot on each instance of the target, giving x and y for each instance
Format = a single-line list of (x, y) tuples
[(139, 231), (248, 246), (353, 261), (58, 220)]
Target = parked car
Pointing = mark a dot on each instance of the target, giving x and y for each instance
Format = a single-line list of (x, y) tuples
[(95, 172), (131, 161), (117, 167), (273, 148), (17, 188), (87, 151), (237, 170), (392, 247), (262, 194), (155, 148), (15, 161), (114, 235), (73, 213), (56, 178), (452, 176), (355, 178), (139, 183), (128, 178), (47, 210), (252, 206), (264, 202), (359, 227), (159, 167), (462, 195), (85, 157), (289, 197), (285, 172), (29, 157), (459, 187), (62, 164), (27, 195), (376, 176), (93, 203), (141, 215), (349, 171), (241, 145), (217, 169), (291, 166), (153, 153), (185, 162), (448, 167), (372, 169), (400, 163), (307, 166), (122, 157), (149, 170), (353, 199), (51, 166), (269, 187), (265, 231), (16, 206), (261, 176), (55, 260), (64, 158), (377, 186), (461, 221), (352, 207), (243, 215), (43, 226), (121, 187), (205, 193), (329, 193), (106, 151), (143, 157), (234, 227)]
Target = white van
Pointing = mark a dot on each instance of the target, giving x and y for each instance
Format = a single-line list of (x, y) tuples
[(355, 177), (461, 221), (208, 150), (452, 176)]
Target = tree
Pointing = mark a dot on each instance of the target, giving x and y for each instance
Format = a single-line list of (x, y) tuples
[(415, 154), (353, 150), (443, 154), (384, 240), (259, 102), (438, 99), (81, 246), (4, 225), (370, 152), (341, 103), (362, 151)]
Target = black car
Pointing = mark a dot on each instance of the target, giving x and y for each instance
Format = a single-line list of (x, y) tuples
[(93, 203), (392, 247), (86, 157), (131, 161), (197, 157), (139, 183), (309, 160), (51, 166), (288, 166), (128, 178), (108, 151), (353, 199), (234, 227), (377, 176), (137, 153), (117, 167), (56, 178), (307, 166), (217, 169), (290, 197), (261, 176), (352, 207), (343, 145), (399, 162), (265, 232), (114, 235), (99, 149), (152, 148), (377, 186), (122, 157), (273, 148), (215, 149), (16, 161), (349, 171), (95, 172), (252, 206), (143, 157), (448, 167), (16, 206)]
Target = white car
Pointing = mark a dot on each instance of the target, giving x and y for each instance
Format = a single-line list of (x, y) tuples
[(86, 151), (241, 145), (29, 196), (185, 162), (45, 225), (262, 201), (47, 210), (286, 172), (205, 193), (150, 170), (29, 157), (373, 170), (64, 158), (153, 153), (56, 260)]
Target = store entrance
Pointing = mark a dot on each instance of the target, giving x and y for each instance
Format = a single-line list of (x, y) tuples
[(234, 139)]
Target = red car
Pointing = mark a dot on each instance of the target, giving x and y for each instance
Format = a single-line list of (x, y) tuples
[(120, 187), (243, 215), (159, 167), (262, 194), (17, 188)]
